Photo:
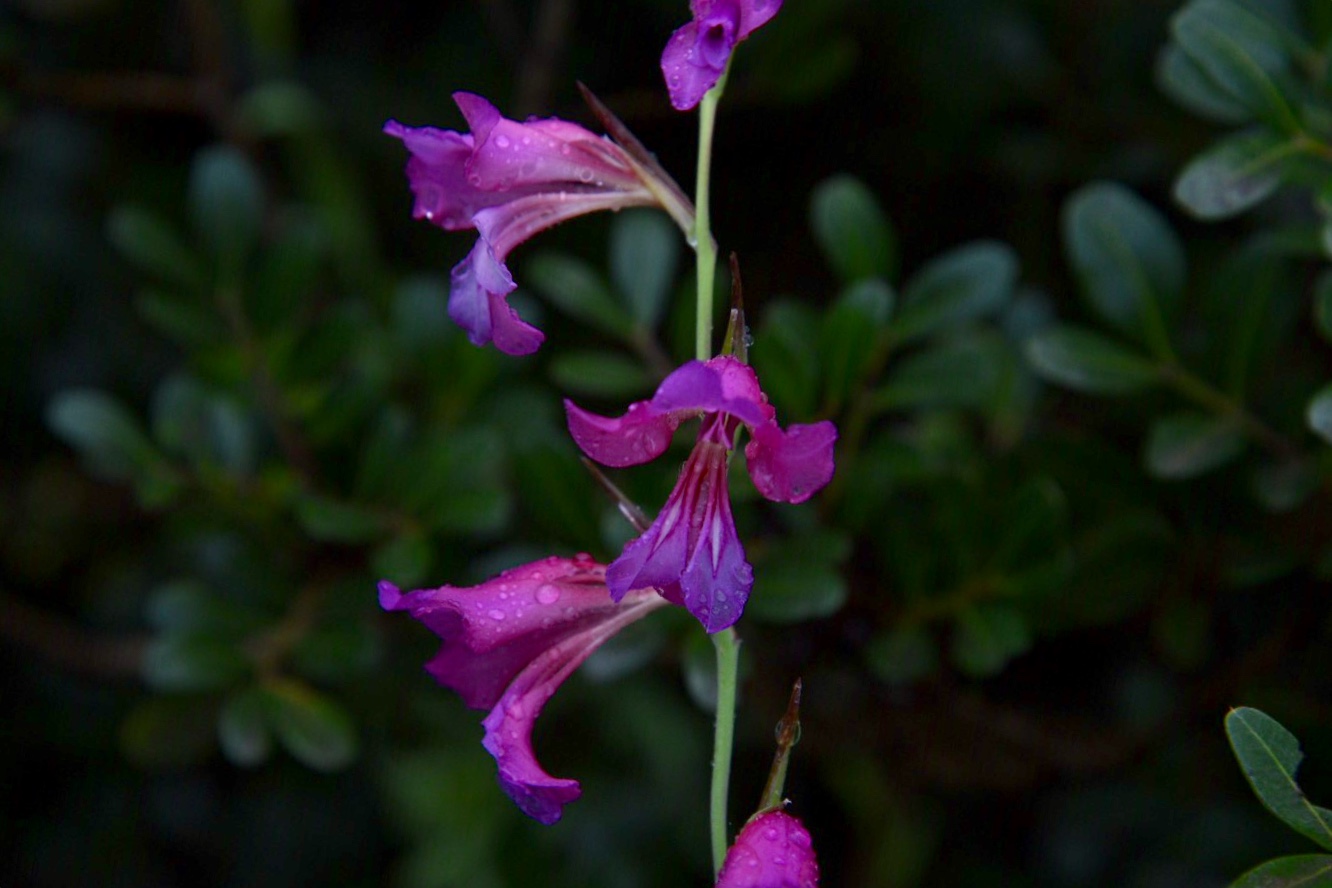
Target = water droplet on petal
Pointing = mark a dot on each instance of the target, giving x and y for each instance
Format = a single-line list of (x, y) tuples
[(585, 175), (497, 614), (501, 141), (548, 594), (771, 834)]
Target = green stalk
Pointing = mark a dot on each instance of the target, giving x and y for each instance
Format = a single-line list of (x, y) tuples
[(705, 248), (727, 644)]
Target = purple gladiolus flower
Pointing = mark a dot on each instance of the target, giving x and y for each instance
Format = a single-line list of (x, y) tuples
[(696, 55), (509, 643), (509, 181), (772, 851), (692, 552)]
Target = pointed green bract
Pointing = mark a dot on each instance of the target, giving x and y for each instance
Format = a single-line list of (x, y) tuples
[(1270, 755)]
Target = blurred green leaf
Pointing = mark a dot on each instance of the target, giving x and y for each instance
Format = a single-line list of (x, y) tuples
[(1128, 260), (112, 444), (1234, 175), (1182, 631), (405, 559), (1323, 305), (316, 730), (289, 271), (789, 590), (964, 284), (1031, 524), (193, 661), (150, 243), (169, 732), (1298, 871), (188, 606), (337, 651), (902, 655), (105, 433), (699, 665), (1187, 445), (576, 289), (848, 336), (1284, 486), (1269, 756), (852, 230), (599, 374), (242, 728), (785, 354), (1181, 79), (332, 521), (1084, 360), (180, 318), (227, 203), (963, 372), (203, 426), (1319, 413), (985, 638), (644, 255), (1241, 51), (280, 108)]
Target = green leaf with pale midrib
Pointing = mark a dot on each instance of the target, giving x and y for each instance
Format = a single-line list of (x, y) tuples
[(1297, 871), (1269, 756)]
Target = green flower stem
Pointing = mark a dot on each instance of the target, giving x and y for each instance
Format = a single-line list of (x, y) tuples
[(727, 644), (705, 249)]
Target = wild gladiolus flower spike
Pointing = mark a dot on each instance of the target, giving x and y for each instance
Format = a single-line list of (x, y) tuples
[(692, 552), (772, 851), (509, 643), (696, 55), (509, 181)]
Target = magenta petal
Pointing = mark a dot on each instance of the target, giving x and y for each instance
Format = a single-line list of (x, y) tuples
[(437, 176), (791, 466), (754, 14), (773, 851), (688, 78), (691, 551), (509, 644), (721, 385), (639, 436)]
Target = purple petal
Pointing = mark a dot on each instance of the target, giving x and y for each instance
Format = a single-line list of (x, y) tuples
[(772, 851), (721, 385), (692, 546), (687, 78), (436, 171), (697, 54), (791, 466), (540, 154), (641, 435), (509, 644), (478, 285)]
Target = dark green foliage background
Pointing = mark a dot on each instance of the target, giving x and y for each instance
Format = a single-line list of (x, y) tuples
[(1082, 500)]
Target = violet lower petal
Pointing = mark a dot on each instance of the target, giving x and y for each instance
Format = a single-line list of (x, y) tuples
[(773, 850), (509, 643), (692, 551), (793, 465), (478, 286)]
